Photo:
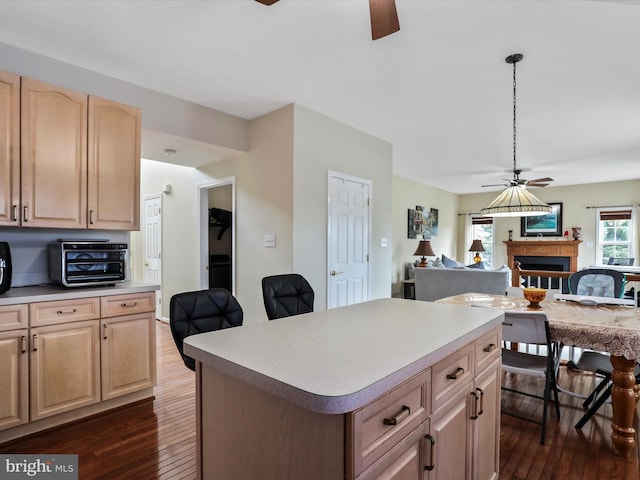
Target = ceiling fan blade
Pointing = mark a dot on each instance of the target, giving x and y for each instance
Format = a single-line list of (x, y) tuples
[(384, 18), (543, 180), (536, 184), (267, 2), (496, 185)]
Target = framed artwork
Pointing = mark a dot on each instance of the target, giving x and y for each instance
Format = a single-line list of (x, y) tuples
[(420, 223), (549, 225)]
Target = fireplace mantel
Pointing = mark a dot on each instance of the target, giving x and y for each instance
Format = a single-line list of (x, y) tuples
[(544, 248)]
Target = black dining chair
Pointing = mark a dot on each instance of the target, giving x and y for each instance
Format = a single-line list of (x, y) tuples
[(286, 295), (202, 311)]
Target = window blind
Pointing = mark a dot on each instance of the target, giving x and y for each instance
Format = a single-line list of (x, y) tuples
[(615, 215)]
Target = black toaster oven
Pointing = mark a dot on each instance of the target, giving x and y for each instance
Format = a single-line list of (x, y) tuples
[(88, 263)]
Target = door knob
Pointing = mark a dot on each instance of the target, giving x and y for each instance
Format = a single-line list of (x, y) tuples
[(334, 273)]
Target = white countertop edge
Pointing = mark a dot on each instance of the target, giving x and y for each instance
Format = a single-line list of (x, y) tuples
[(47, 293), (336, 404)]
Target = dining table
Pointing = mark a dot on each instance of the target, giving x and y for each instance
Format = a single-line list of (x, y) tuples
[(598, 326)]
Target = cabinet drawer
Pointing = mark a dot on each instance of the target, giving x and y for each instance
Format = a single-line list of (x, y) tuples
[(13, 317), (63, 311), (117, 305), (379, 426), (452, 374), (488, 348)]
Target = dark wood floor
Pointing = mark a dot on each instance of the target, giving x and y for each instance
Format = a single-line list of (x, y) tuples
[(156, 440)]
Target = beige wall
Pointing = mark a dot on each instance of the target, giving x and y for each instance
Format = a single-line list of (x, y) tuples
[(407, 194), (264, 205), (574, 201), (322, 144)]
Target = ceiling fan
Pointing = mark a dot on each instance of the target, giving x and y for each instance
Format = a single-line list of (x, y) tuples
[(538, 182), (384, 17)]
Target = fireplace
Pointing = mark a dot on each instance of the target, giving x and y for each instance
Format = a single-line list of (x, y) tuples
[(550, 264), (546, 255)]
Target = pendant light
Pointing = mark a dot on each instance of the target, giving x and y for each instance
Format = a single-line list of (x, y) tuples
[(515, 200)]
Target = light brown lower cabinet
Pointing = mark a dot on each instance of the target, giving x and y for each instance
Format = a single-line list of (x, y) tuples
[(442, 423), (64, 367), (128, 354), (14, 378), (62, 360)]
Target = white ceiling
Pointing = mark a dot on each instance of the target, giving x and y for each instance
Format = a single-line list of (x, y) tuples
[(439, 90)]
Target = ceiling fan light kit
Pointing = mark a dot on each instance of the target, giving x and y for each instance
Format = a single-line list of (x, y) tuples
[(516, 200)]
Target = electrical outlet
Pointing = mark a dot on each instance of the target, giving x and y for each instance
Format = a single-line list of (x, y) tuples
[(269, 240)]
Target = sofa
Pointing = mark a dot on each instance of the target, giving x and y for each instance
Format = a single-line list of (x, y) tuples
[(435, 283)]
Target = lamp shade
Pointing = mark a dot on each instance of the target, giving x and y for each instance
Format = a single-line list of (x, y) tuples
[(476, 246), (424, 250), (516, 201)]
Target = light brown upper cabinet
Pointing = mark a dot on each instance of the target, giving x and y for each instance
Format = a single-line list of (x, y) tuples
[(79, 156), (54, 156), (9, 148), (114, 165)]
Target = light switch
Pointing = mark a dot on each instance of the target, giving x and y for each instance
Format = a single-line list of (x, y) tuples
[(384, 242), (269, 240)]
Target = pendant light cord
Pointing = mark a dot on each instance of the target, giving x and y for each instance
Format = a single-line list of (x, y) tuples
[(514, 118)]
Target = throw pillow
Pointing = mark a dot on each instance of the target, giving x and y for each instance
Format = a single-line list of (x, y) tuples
[(479, 265), (450, 263)]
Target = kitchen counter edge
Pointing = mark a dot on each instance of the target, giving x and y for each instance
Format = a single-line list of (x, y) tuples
[(48, 293)]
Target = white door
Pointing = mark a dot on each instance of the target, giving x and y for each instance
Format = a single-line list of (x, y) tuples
[(349, 221), (152, 246)]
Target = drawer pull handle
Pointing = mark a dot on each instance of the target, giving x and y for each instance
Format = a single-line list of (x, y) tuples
[(34, 342), (455, 375), (404, 413), (23, 343), (127, 305), (490, 348), (481, 411), (477, 394), (65, 312), (14, 215), (25, 213), (432, 441), (104, 329)]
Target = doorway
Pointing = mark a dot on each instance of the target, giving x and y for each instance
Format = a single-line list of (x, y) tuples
[(349, 234), (217, 234), (152, 245)]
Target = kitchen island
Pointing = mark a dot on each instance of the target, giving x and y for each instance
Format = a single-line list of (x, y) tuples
[(390, 388)]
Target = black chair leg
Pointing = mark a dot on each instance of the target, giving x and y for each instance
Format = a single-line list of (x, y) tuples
[(598, 403)]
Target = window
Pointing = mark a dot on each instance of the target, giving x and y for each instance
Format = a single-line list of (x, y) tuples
[(615, 233), (482, 229)]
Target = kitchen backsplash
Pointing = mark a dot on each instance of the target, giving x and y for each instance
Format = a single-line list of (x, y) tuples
[(29, 250)]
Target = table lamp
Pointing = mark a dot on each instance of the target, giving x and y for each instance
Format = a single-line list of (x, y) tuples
[(476, 246), (424, 249)]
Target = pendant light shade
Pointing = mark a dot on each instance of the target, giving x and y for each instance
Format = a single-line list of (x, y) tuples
[(516, 200)]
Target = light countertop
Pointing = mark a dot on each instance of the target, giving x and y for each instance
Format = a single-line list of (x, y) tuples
[(335, 361), (46, 293)]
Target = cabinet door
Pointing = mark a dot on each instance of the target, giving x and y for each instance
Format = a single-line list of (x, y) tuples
[(65, 367), (54, 156), (9, 148), (407, 461), (486, 427), (14, 393), (450, 430), (128, 354), (114, 165)]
